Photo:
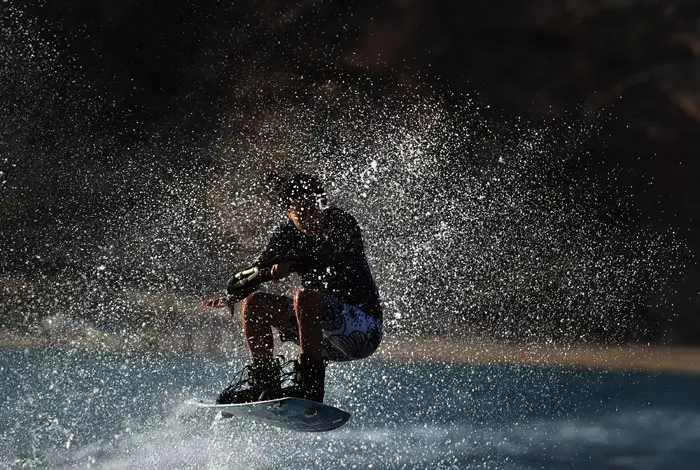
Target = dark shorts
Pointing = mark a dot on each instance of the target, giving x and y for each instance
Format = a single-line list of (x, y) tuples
[(348, 332)]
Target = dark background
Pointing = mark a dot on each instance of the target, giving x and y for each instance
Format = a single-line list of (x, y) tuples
[(82, 78)]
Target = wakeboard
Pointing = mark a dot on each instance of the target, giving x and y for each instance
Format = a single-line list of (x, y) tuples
[(296, 414)]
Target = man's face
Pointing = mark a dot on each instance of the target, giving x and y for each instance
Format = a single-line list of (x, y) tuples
[(306, 215)]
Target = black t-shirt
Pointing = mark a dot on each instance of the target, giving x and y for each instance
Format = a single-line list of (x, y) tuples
[(334, 261)]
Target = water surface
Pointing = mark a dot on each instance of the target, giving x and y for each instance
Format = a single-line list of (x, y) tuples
[(79, 409)]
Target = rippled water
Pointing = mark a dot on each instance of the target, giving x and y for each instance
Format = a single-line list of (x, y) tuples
[(77, 409)]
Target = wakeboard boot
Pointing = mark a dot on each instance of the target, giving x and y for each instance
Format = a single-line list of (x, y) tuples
[(261, 380), (309, 379)]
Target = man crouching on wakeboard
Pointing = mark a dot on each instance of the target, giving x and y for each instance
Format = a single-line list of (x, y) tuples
[(336, 316)]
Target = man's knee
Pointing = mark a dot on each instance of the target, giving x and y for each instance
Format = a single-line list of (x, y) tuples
[(307, 299), (252, 303), (264, 305)]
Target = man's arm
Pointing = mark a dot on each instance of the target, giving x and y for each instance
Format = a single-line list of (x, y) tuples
[(247, 281)]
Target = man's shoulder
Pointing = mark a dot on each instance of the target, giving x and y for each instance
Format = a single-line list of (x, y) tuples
[(342, 216)]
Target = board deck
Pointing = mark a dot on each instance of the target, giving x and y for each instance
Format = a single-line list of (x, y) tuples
[(289, 413)]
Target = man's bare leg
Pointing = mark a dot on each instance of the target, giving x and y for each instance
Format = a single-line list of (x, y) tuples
[(308, 305), (260, 312)]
